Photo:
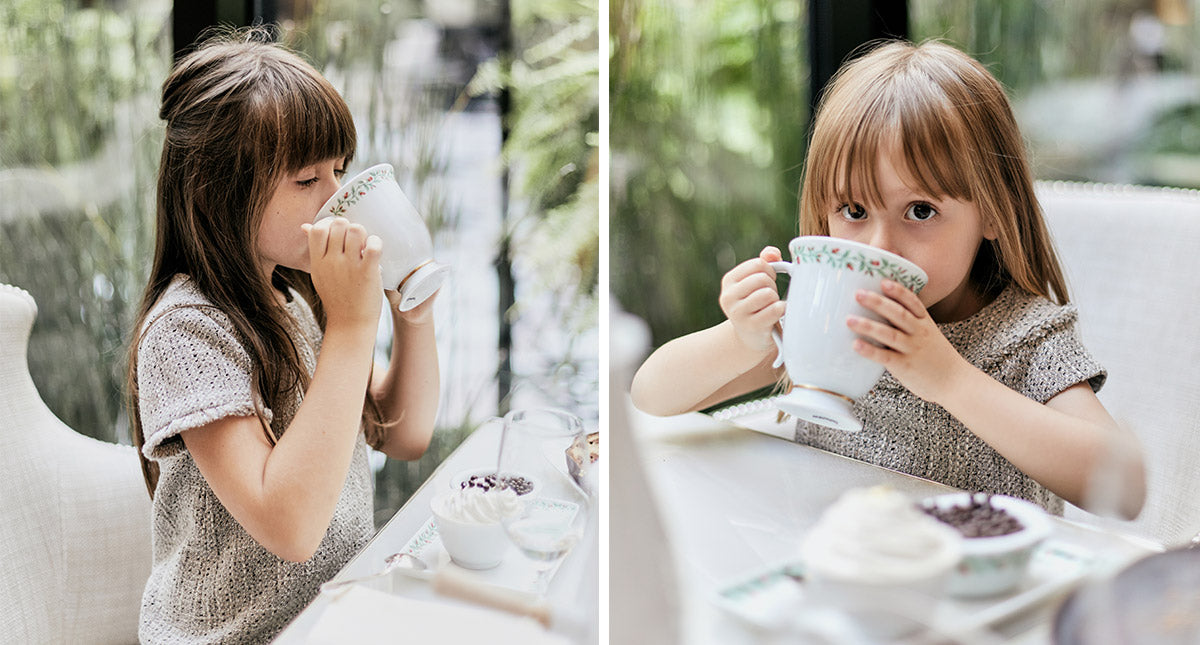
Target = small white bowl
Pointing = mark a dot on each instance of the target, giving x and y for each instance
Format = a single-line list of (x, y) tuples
[(994, 565), (471, 545)]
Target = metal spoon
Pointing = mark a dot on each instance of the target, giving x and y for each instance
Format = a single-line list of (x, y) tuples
[(407, 563), (404, 560)]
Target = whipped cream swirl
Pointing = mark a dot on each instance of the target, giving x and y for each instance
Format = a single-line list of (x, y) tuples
[(478, 506), (878, 535)]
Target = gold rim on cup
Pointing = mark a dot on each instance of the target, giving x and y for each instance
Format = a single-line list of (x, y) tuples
[(823, 390)]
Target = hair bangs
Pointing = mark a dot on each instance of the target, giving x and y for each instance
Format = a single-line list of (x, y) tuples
[(314, 122), (849, 146), (920, 133), (934, 145)]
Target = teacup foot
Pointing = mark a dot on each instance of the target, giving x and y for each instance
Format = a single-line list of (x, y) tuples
[(421, 284), (820, 407)]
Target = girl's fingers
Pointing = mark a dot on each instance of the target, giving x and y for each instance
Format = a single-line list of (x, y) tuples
[(752, 284), (911, 301), (879, 355), (770, 254), (336, 244), (373, 248), (355, 241), (758, 300), (318, 238), (885, 335), (768, 316), (891, 310), (746, 269)]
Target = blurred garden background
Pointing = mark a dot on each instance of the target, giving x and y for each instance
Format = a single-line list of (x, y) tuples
[(489, 110), (710, 112)]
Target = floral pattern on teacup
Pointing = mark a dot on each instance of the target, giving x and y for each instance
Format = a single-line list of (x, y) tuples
[(853, 259), (349, 195)]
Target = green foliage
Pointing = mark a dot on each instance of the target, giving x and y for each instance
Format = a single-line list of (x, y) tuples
[(552, 149), (77, 90), (345, 33), (82, 61), (708, 120), (1027, 43), (1176, 131)]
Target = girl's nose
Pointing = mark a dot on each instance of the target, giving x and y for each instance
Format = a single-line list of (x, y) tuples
[(881, 237), (331, 185)]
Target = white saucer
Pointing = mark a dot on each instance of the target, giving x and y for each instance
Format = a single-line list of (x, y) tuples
[(821, 408)]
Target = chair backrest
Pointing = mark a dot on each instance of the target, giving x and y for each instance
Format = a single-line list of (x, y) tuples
[(74, 513), (1129, 254)]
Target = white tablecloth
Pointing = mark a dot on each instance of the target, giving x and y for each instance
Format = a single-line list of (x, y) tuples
[(574, 585), (734, 501)]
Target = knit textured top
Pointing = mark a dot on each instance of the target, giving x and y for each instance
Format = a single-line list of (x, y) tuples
[(210, 581), (1024, 341)]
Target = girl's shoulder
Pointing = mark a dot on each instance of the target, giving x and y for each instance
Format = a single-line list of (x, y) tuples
[(182, 300), (1027, 311), (1015, 318)]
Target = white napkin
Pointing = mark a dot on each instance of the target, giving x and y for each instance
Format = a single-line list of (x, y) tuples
[(366, 616)]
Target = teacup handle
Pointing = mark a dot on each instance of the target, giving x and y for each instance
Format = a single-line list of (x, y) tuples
[(780, 267)]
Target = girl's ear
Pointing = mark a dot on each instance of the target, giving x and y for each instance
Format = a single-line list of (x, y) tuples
[(989, 230)]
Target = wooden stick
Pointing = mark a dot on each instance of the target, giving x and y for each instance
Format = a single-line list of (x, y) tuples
[(456, 584)]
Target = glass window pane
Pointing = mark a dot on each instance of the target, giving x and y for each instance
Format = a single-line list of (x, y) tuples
[(1104, 91)]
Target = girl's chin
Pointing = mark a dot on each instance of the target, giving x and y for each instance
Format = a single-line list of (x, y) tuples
[(304, 265)]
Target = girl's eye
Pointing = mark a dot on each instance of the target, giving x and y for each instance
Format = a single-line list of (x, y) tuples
[(920, 212), (339, 173), (853, 212), (307, 182)]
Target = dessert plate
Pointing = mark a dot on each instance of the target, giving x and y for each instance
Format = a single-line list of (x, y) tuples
[(768, 598), (515, 571)]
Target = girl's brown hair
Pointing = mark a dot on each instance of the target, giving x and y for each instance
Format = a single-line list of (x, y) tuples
[(241, 113), (956, 131)]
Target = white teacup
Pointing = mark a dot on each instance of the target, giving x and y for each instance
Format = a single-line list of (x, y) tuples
[(817, 347), (374, 199)]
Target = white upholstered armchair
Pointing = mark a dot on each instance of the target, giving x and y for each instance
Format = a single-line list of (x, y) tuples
[(1130, 257), (74, 513)]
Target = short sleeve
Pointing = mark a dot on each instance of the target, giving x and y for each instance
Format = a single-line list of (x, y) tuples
[(1051, 357), (191, 370)]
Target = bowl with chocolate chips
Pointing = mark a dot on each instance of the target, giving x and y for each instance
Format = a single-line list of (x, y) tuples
[(486, 479), (1001, 534)]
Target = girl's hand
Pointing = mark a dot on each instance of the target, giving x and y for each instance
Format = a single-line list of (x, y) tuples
[(344, 264), (913, 349), (422, 314), (751, 301)]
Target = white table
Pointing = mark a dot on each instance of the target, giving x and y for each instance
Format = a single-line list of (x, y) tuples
[(734, 500), (575, 582)]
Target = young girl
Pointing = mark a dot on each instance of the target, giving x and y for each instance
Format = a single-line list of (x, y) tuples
[(251, 372), (987, 388)]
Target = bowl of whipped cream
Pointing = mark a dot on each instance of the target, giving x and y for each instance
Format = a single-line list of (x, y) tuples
[(469, 524), (876, 556)]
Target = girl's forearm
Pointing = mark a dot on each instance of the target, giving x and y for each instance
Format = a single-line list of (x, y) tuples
[(408, 392), (1063, 444), (303, 476), (699, 370)]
